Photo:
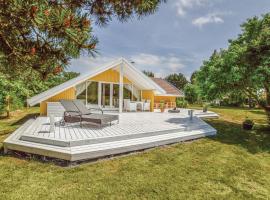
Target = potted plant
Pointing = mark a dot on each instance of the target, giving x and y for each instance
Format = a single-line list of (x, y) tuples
[(205, 107), (248, 124), (161, 105)]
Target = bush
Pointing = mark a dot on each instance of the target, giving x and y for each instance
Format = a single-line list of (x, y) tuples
[(181, 103), (12, 93), (248, 121), (191, 94), (233, 99)]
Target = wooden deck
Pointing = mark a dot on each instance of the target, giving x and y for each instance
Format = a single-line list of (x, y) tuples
[(135, 131)]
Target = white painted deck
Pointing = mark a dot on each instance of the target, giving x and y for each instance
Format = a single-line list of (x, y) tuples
[(135, 131)]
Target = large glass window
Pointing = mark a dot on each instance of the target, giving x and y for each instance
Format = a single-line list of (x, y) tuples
[(115, 95), (88, 93), (81, 92), (105, 91), (92, 93)]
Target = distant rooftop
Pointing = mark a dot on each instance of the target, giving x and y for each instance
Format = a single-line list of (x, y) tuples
[(168, 87)]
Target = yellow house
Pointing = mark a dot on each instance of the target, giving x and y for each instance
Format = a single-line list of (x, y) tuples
[(108, 86)]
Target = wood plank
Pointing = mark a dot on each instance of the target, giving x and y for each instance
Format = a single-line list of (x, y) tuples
[(135, 131)]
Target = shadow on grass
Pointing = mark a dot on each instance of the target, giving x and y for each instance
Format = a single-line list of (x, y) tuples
[(24, 119), (258, 112), (11, 126), (255, 141)]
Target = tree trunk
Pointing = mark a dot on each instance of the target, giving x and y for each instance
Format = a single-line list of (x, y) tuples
[(267, 106), (8, 106), (267, 111)]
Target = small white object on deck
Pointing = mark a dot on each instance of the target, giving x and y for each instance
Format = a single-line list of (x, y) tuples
[(52, 124), (190, 113)]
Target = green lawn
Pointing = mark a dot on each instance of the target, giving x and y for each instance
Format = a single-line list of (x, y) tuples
[(233, 165)]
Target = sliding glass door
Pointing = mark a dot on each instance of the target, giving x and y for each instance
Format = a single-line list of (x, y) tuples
[(107, 95), (92, 93), (87, 92)]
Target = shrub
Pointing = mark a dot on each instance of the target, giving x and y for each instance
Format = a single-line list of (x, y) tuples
[(191, 94), (181, 103), (248, 121)]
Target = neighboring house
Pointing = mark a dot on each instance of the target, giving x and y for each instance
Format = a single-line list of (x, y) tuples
[(107, 86)]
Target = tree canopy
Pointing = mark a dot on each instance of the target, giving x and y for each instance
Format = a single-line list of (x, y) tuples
[(44, 35), (38, 38), (178, 80), (243, 67), (191, 94), (149, 73)]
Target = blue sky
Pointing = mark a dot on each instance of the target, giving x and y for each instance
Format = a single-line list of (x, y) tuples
[(177, 38)]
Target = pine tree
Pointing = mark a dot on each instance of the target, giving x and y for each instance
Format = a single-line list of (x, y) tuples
[(43, 35)]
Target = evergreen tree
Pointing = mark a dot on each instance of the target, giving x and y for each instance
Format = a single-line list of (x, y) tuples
[(149, 73), (178, 80), (44, 35)]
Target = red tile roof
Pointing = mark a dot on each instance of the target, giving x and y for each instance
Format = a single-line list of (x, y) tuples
[(168, 87)]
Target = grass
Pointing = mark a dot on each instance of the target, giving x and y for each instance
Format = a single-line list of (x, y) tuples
[(233, 165)]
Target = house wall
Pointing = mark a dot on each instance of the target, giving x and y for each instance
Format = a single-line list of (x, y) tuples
[(149, 94), (67, 94), (170, 101), (165, 99), (111, 76)]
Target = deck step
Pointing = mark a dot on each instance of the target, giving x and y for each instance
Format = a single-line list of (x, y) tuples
[(94, 151), (117, 147), (74, 143), (96, 143)]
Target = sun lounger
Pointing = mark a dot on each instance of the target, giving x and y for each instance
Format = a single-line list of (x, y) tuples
[(76, 111)]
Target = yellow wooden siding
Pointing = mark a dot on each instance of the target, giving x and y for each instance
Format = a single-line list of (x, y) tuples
[(149, 95), (169, 101), (67, 94), (109, 76)]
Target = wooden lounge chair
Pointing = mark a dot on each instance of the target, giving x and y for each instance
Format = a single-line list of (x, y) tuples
[(76, 111), (71, 113)]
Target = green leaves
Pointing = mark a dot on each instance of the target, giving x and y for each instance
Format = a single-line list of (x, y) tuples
[(178, 80), (243, 67), (42, 34)]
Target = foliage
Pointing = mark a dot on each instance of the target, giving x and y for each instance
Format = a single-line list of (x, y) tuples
[(19, 89), (233, 99), (248, 121), (178, 80), (181, 103), (193, 77), (191, 94), (205, 107), (148, 73), (161, 104), (12, 92), (43, 35), (243, 67)]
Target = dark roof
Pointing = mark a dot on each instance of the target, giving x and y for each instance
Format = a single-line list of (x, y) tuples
[(168, 87)]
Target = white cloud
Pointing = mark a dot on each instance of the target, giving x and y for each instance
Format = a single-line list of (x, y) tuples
[(85, 63), (208, 19), (183, 5), (160, 65)]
